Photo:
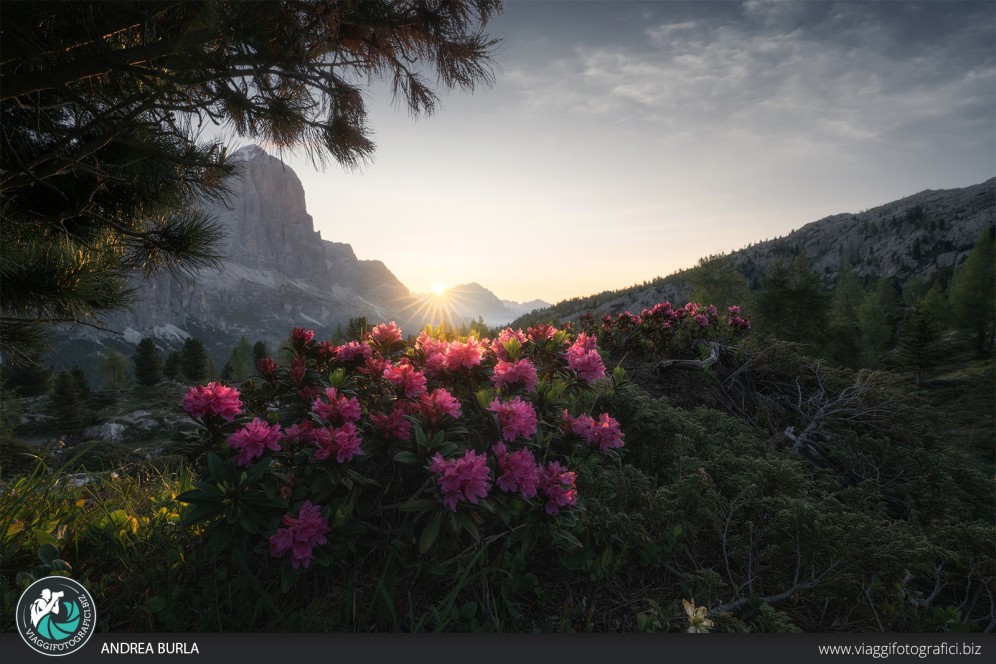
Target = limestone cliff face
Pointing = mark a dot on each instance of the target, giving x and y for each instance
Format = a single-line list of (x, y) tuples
[(277, 273)]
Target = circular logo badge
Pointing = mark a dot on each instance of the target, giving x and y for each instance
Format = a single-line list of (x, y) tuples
[(56, 616)]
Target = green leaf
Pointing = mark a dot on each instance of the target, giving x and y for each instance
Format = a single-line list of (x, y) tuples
[(406, 457), (430, 533), (154, 605), (249, 520), (215, 466), (48, 553), (418, 505)]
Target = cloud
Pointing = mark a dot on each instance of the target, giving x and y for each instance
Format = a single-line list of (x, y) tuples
[(834, 76)]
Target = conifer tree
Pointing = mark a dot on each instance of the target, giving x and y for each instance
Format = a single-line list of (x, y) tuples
[(31, 378), (65, 404), (972, 294), (918, 341), (115, 371), (260, 350), (172, 367), (194, 361), (148, 363), (716, 280), (240, 364), (81, 382)]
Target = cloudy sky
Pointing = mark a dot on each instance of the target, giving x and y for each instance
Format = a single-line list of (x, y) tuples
[(625, 140)]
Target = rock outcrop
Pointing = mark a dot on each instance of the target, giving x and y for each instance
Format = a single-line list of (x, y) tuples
[(277, 273)]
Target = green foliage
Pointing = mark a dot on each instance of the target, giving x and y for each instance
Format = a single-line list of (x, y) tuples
[(194, 361), (972, 293), (30, 378), (791, 304), (148, 363), (65, 404), (115, 371), (715, 279), (918, 345), (240, 364), (260, 350), (173, 367), (81, 382)]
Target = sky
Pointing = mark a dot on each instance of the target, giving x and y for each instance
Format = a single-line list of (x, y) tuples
[(623, 141)]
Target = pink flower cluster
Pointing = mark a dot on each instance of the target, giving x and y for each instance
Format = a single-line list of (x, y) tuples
[(300, 536), (583, 358), (557, 484), (521, 372), (406, 378), (337, 408), (250, 441), (341, 442), (606, 432), (735, 320), (515, 418), (212, 399), (352, 350), (519, 471), (506, 335), (267, 366), (300, 337), (467, 478), (393, 425), (387, 335), (464, 354), (437, 404)]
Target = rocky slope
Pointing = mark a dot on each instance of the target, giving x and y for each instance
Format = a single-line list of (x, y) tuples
[(921, 235)]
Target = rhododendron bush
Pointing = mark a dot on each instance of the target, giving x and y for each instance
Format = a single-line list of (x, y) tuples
[(433, 445), (664, 330)]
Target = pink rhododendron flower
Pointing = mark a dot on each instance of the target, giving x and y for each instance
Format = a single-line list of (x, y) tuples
[(326, 350), (557, 484), (510, 373), (585, 343), (301, 535), (296, 372), (440, 402), (605, 432), (373, 366), (519, 471), (343, 442), (212, 399), (301, 337), (464, 354), (406, 378), (337, 408), (587, 364), (387, 335), (352, 350), (266, 366), (467, 478), (395, 425), (516, 418), (542, 332), (701, 319), (508, 334), (250, 441), (303, 432)]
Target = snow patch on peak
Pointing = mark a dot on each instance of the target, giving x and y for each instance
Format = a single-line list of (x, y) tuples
[(171, 332)]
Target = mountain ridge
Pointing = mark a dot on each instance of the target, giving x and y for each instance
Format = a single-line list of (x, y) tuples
[(922, 234)]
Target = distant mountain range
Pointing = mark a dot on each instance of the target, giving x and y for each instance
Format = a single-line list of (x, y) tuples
[(278, 273), (921, 235)]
